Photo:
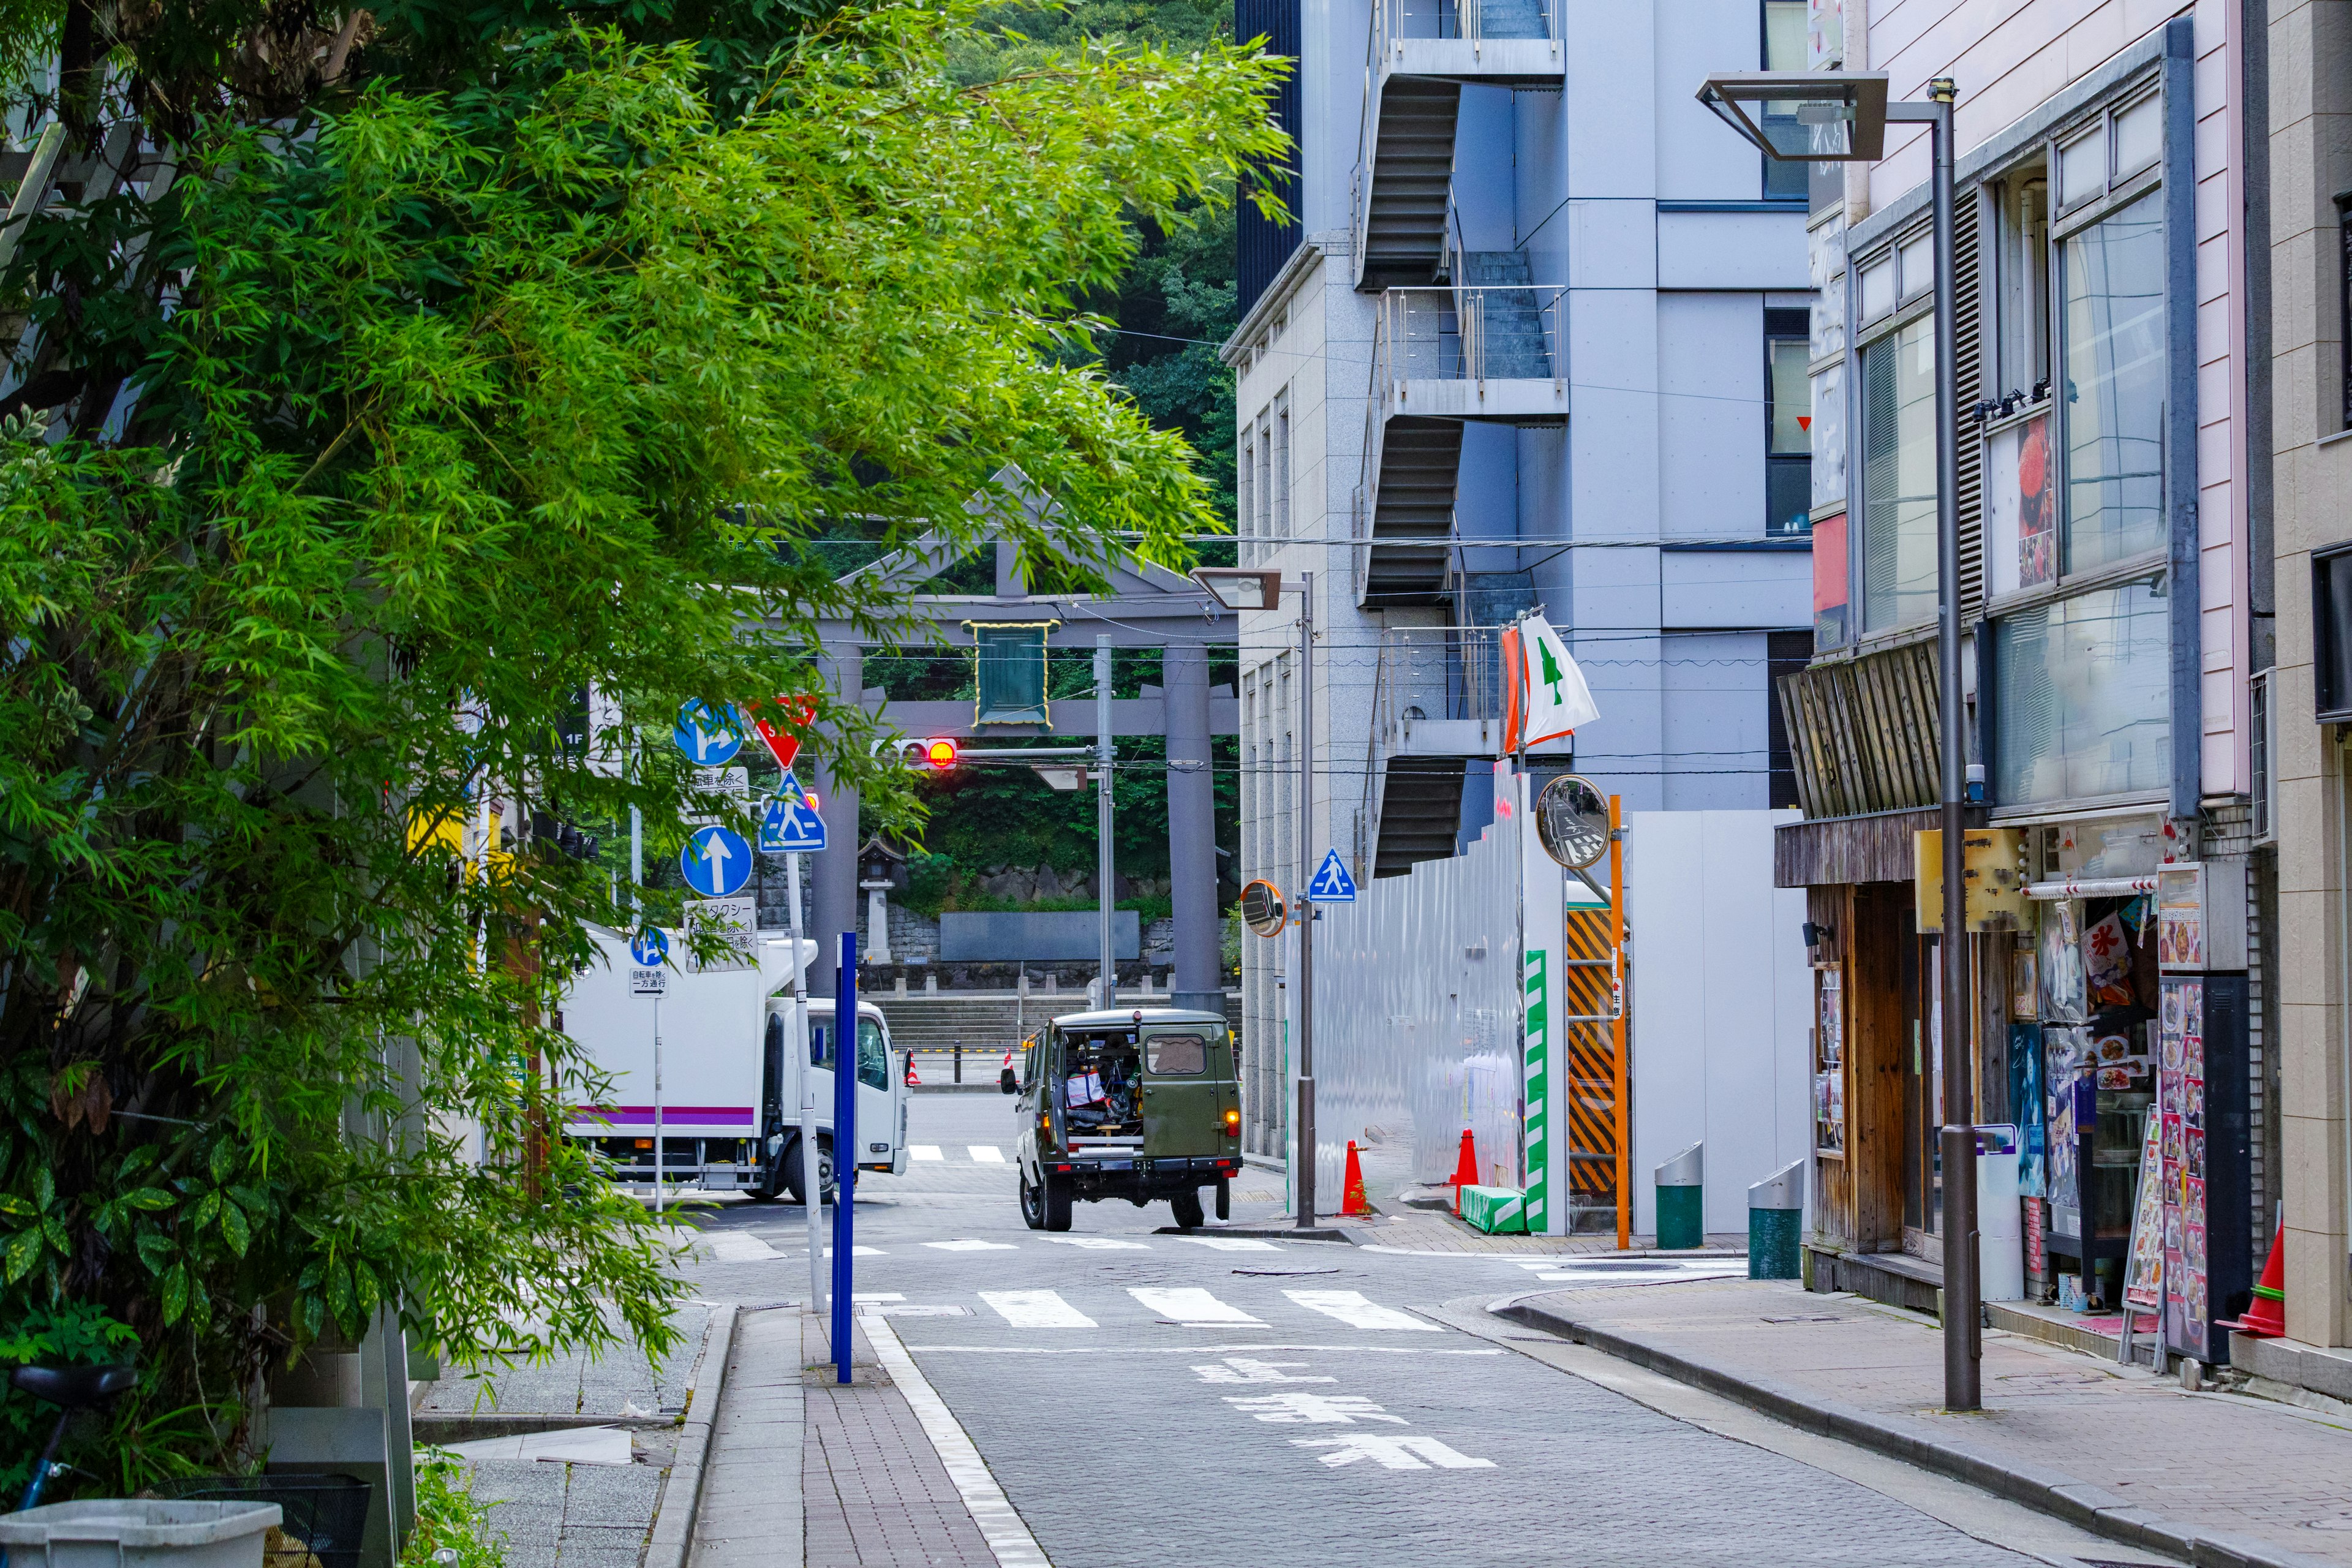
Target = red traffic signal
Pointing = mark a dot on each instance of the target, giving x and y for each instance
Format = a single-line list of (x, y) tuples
[(940, 755)]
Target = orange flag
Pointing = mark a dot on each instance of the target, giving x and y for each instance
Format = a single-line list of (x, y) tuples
[(1515, 681)]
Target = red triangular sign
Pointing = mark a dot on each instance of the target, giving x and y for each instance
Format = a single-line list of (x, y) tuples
[(1804, 422), (781, 730)]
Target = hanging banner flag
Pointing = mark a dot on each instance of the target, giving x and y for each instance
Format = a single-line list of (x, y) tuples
[(1558, 701), (1514, 683)]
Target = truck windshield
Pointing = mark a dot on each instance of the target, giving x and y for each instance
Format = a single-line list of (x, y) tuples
[(873, 1051)]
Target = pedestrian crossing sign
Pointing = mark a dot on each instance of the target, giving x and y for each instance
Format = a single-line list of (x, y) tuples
[(789, 825), (1332, 885)]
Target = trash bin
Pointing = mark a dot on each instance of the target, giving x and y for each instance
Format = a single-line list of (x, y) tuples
[(2001, 1225), (1682, 1203), (1776, 1214), (137, 1532)]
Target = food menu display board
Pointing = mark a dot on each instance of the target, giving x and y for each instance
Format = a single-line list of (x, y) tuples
[(2180, 1101), (1829, 1064)]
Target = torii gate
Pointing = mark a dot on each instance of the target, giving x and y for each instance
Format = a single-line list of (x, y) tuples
[(1148, 607)]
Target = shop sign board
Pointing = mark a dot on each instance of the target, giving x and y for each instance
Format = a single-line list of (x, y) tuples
[(1993, 879)]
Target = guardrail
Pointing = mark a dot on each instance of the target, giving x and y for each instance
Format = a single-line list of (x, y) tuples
[(1487, 332)]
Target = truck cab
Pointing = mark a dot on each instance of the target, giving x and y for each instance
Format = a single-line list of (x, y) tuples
[(881, 1096), (1141, 1103)]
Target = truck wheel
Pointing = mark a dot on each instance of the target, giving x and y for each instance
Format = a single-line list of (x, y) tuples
[(793, 1182), (1057, 1201), (1033, 1206), (1186, 1205)]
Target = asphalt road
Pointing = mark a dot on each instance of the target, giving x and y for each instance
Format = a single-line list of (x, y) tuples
[(1224, 1402)]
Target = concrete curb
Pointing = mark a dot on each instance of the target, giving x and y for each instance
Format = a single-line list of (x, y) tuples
[(2078, 1502), (681, 1497)]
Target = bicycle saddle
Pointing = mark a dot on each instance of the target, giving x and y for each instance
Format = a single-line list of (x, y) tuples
[(74, 1387)]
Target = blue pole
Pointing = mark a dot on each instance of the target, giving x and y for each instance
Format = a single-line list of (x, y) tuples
[(844, 1150)]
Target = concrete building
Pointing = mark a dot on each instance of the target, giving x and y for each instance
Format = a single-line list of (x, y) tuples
[(2112, 379), (2303, 697), (1536, 336)]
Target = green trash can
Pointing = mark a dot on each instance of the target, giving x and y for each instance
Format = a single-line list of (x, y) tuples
[(1776, 1214), (1682, 1200)]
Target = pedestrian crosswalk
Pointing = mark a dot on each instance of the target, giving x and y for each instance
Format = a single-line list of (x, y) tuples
[(1190, 1307), (975, 1154)]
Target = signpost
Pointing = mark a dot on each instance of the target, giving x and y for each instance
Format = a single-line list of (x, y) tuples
[(844, 1153), (707, 738), (650, 948), (1332, 884), (716, 862)]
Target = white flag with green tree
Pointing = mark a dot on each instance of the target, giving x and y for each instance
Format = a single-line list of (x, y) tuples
[(1558, 699)]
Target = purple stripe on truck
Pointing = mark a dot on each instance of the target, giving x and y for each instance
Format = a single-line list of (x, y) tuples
[(643, 1115)]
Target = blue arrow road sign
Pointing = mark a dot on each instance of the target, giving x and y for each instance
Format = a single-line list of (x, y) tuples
[(1332, 885), (790, 826), (708, 739), (715, 861), (649, 947)]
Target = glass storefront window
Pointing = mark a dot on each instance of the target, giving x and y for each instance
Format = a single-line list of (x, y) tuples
[(2113, 277), (1898, 478), (2083, 705)]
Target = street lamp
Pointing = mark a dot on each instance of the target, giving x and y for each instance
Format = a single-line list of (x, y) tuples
[(1244, 588), (1841, 117)]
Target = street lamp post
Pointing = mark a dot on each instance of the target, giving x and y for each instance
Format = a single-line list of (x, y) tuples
[(1842, 117), (1242, 588)]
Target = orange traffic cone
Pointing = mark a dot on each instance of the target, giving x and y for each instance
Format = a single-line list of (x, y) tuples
[(2266, 1317), (1352, 1200), (1465, 1169), (912, 1082)]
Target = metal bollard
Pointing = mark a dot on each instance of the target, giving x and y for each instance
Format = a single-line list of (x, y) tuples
[(959, 1061), (1776, 1214), (1681, 1201)]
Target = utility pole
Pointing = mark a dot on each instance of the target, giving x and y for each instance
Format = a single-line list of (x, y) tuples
[(1103, 871), (1304, 1134)]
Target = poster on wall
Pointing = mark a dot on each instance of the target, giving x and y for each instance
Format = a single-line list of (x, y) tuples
[(2181, 1106), (2144, 1281), (2021, 510)]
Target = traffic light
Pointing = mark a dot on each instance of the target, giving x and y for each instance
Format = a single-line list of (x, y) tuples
[(940, 754)]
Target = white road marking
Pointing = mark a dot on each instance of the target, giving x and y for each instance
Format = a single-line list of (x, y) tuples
[(1357, 1348), (1248, 1368), (1191, 1307), (1302, 1408), (1008, 1539), (969, 1246), (855, 1251), (739, 1249), (1391, 1453), (1351, 1308), (918, 1310), (925, 1152), (985, 1153), (1230, 1243), (880, 1296), (1097, 1243), (1035, 1310)]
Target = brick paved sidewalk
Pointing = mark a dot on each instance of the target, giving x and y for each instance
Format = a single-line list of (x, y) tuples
[(2213, 1476)]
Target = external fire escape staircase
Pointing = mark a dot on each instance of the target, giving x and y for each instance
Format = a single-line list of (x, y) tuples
[(1418, 54), (1489, 348)]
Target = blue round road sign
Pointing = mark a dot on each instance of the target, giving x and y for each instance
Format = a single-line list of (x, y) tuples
[(649, 947), (708, 739), (715, 861)]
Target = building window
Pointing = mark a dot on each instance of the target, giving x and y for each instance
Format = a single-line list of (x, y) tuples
[(1788, 423), (1787, 48), (2112, 276), (2021, 294), (1898, 478), (1785, 653), (1246, 495), (2085, 699), (1279, 513), (2343, 301)]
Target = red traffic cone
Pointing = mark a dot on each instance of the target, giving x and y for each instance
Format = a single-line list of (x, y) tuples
[(1465, 1169), (2266, 1317), (912, 1082), (1352, 1200)]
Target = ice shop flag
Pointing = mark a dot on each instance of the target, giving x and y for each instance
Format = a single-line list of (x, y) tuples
[(1558, 701)]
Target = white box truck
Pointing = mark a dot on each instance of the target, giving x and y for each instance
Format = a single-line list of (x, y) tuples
[(732, 1084)]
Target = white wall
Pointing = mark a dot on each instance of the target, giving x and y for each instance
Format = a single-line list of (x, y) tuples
[(1721, 997)]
